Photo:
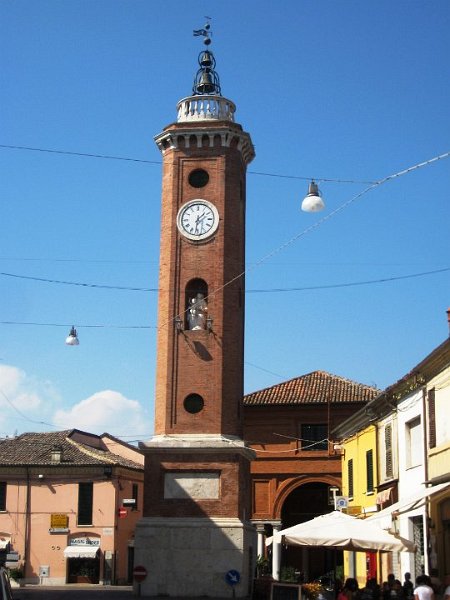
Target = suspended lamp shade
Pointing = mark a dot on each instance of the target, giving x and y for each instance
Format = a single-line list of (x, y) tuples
[(313, 202), (72, 338)]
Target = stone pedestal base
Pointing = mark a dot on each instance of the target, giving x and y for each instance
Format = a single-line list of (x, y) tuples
[(190, 557)]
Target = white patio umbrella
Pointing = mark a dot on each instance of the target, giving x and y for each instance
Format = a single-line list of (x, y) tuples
[(338, 530)]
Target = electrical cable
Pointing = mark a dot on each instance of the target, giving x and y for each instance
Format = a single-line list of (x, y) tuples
[(158, 162), (248, 291), (321, 221), (11, 404)]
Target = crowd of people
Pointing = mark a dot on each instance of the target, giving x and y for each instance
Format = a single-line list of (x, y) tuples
[(392, 589)]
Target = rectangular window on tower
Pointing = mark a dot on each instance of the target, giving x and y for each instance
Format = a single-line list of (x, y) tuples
[(369, 472), (350, 477), (314, 436), (85, 503)]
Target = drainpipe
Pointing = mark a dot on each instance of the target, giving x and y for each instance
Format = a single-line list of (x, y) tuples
[(27, 534), (425, 472)]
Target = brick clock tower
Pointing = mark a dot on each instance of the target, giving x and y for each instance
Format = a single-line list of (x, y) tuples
[(195, 538)]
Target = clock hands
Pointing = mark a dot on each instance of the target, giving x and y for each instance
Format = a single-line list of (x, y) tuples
[(199, 222)]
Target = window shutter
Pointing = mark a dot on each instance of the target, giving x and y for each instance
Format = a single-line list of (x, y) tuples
[(431, 419), (369, 470), (85, 502), (350, 477), (389, 471), (2, 495)]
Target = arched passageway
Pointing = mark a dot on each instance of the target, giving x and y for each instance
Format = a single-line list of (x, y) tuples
[(304, 503)]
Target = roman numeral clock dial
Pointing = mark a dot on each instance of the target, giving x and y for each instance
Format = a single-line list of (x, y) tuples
[(198, 220)]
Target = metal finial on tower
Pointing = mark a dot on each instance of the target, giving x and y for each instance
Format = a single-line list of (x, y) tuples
[(206, 81)]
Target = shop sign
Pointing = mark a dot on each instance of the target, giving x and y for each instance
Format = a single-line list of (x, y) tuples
[(85, 541), (59, 521), (353, 510), (129, 502)]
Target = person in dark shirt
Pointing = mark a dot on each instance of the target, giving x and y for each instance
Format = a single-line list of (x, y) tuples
[(408, 587)]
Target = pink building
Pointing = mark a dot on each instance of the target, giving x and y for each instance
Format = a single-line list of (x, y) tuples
[(69, 503)]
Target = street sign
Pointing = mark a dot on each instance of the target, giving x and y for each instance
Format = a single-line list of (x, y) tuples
[(341, 502), (139, 573), (122, 512), (232, 577)]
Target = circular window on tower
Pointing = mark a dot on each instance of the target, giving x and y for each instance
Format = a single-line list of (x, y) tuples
[(193, 404), (198, 178)]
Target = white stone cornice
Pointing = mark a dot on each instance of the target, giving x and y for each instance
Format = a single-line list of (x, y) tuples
[(181, 138), (208, 443)]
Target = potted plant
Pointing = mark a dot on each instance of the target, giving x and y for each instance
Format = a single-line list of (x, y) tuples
[(312, 590), (262, 566), (16, 576), (288, 575)]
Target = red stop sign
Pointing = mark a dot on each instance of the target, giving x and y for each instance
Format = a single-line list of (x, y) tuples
[(139, 573)]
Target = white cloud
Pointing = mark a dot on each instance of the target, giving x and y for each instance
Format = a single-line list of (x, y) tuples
[(24, 401), (30, 404), (105, 411)]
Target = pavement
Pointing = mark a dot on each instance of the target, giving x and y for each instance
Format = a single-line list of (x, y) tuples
[(83, 592), (73, 592)]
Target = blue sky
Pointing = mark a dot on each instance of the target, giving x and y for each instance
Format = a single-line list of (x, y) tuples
[(345, 90)]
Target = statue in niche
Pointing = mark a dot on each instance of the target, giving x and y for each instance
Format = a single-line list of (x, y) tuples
[(197, 312)]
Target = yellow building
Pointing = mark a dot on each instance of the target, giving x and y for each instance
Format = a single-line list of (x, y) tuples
[(359, 481)]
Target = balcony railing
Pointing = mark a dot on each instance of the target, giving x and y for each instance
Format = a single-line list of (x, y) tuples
[(205, 108)]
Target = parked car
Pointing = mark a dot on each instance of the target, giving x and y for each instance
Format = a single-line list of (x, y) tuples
[(5, 586)]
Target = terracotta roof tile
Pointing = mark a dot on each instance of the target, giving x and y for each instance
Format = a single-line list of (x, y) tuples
[(35, 449), (315, 387)]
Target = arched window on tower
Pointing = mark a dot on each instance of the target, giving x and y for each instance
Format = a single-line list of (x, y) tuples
[(196, 304)]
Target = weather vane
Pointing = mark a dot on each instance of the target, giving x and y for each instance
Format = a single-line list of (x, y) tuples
[(205, 32)]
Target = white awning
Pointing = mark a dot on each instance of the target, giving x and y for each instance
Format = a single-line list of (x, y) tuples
[(4, 541), (81, 551), (405, 504)]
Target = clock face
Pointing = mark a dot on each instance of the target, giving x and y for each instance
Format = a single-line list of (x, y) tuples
[(198, 220)]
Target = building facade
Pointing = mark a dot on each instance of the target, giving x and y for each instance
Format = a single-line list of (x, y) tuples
[(69, 502), (297, 470), (413, 481)]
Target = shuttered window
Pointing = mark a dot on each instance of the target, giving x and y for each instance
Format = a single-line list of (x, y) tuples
[(135, 494), (431, 419), (2, 495), (85, 500), (369, 471), (350, 477), (389, 470)]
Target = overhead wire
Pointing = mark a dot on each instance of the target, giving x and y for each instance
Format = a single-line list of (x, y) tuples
[(158, 162), (323, 220), (278, 249), (247, 291), (276, 290)]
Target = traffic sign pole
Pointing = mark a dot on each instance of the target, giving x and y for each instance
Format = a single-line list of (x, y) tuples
[(139, 574)]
